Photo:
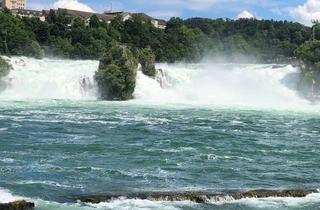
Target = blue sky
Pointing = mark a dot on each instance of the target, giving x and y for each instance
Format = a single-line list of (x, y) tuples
[(295, 10)]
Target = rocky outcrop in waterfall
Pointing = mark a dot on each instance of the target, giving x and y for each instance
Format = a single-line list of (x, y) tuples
[(309, 55), (147, 59), (5, 68), (116, 76)]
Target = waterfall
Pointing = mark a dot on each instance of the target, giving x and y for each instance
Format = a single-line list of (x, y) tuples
[(248, 85), (50, 79)]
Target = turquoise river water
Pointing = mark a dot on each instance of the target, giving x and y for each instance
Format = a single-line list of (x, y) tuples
[(53, 149)]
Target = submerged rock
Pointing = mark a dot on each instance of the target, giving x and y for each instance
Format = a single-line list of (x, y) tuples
[(196, 197), (17, 205)]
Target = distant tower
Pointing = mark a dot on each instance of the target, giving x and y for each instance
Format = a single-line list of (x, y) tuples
[(14, 4)]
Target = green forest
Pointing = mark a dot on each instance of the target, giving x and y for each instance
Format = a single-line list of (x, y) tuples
[(182, 40)]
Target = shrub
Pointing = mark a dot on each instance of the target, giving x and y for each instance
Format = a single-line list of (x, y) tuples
[(116, 76), (147, 60), (5, 68)]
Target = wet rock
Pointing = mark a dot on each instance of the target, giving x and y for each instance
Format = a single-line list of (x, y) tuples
[(194, 197), (17, 205), (271, 193), (197, 197)]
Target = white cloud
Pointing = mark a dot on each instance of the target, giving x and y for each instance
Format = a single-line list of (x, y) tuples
[(72, 4), (307, 12), (245, 14)]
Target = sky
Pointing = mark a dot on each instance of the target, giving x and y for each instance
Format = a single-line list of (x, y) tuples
[(303, 11)]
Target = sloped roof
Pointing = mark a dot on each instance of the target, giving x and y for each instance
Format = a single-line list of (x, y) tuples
[(87, 15), (117, 13), (161, 22)]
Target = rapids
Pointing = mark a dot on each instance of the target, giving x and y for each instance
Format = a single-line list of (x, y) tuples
[(195, 128), (250, 86)]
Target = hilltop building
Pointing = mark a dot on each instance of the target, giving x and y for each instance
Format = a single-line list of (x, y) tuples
[(18, 7), (108, 16), (13, 4), (125, 15), (158, 23), (84, 15), (29, 13)]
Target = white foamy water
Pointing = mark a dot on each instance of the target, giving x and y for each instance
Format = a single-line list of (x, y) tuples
[(50, 79), (278, 203), (6, 196), (137, 204), (233, 85), (253, 86)]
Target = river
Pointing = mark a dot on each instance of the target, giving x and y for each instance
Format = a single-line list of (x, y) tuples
[(195, 128)]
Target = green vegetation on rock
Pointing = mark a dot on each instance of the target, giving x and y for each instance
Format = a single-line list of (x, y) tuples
[(147, 59), (5, 68), (309, 56), (116, 76)]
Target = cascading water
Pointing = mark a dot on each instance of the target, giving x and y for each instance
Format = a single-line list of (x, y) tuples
[(54, 151), (50, 79), (257, 86)]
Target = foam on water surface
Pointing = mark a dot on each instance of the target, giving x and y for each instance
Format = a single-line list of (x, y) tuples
[(226, 202), (50, 79), (51, 119), (254, 86)]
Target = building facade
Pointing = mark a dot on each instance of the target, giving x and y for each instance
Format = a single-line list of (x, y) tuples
[(14, 4), (29, 13)]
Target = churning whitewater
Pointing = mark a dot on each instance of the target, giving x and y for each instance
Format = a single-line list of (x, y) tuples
[(50, 79), (201, 128), (253, 86)]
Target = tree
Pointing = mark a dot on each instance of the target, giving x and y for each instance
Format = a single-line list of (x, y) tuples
[(147, 60), (237, 45), (60, 47), (13, 35), (5, 68), (94, 22), (34, 50), (51, 17), (316, 31), (116, 76)]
